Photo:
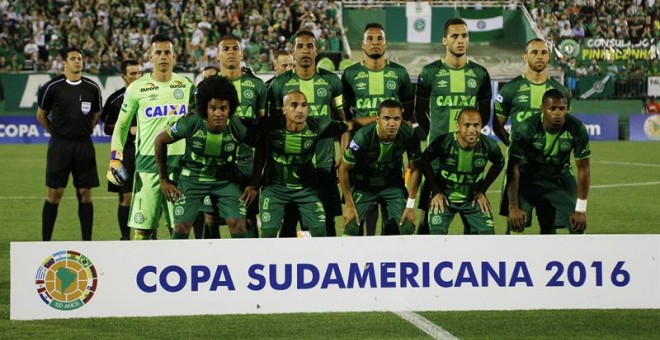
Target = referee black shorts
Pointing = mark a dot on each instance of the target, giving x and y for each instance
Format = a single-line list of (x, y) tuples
[(129, 163), (76, 157)]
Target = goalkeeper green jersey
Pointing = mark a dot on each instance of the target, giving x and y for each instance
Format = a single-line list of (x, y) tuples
[(156, 105), (461, 171), (545, 155), (290, 154), (364, 90), (322, 90), (519, 99), (210, 156), (450, 90), (377, 164)]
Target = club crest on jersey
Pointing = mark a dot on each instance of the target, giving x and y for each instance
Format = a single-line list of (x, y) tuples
[(178, 94), (248, 94), (165, 110), (85, 107), (391, 85), (308, 144), (472, 83), (479, 162), (321, 92)]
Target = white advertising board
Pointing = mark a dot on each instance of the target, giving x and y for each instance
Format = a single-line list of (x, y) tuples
[(113, 278)]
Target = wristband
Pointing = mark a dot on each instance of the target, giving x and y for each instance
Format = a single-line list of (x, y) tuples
[(581, 206), (410, 204), (116, 154)]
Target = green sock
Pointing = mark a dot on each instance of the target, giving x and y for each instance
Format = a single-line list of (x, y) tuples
[(140, 236), (407, 228), (242, 235), (180, 236), (351, 229)]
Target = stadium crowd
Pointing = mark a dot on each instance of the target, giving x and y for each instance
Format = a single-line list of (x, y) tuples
[(110, 31), (630, 20)]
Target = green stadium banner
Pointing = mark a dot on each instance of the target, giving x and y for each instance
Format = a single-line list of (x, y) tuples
[(595, 87), (619, 50), (485, 24)]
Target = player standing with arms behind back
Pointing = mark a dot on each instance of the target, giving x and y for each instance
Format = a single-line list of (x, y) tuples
[(444, 88), (130, 72), (69, 108), (323, 92), (158, 100), (370, 82)]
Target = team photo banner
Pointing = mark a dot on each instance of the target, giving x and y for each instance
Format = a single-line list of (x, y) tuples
[(52, 280)]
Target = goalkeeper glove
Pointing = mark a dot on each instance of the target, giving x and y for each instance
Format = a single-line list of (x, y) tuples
[(117, 173)]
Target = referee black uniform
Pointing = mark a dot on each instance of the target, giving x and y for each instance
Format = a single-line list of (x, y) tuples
[(71, 107)]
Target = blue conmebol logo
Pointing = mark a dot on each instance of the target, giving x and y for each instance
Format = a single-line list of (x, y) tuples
[(66, 280)]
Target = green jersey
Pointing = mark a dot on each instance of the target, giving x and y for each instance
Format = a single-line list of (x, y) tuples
[(323, 92), (210, 156), (252, 104), (379, 164), (545, 155), (365, 89), (520, 98), (290, 154), (156, 105), (450, 90), (461, 171)]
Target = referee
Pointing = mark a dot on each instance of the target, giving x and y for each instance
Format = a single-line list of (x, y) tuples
[(130, 71), (69, 107)]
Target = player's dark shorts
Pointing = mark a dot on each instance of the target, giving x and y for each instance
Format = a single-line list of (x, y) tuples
[(329, 191), (245, 175), (129, 163), (479, 222), (554, 200), (275, 197), (394, 202), (223, 193), (76, 157)]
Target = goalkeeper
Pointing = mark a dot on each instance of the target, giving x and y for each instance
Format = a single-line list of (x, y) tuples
[(209, 166), (158, 100)]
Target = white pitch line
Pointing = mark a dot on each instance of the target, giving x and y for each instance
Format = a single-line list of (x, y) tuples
[(428, 327), (630, 163)]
